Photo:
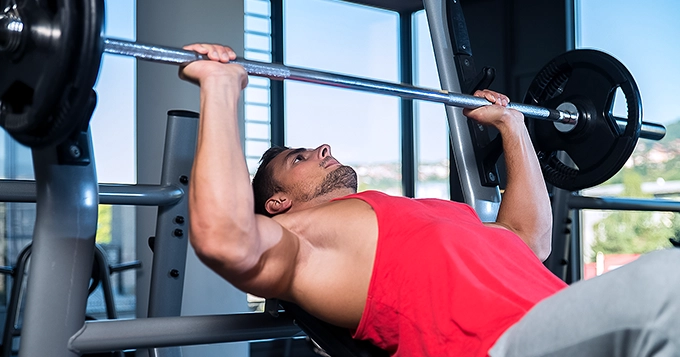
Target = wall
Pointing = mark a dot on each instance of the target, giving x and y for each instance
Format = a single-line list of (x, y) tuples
[(176, 23)]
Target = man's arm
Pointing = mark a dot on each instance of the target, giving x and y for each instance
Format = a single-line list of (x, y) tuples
[(252, 252), (525, 208)]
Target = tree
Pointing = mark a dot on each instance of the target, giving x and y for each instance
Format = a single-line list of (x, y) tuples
[(626, 232)]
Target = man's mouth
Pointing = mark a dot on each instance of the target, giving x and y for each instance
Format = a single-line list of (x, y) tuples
[(328, 162)]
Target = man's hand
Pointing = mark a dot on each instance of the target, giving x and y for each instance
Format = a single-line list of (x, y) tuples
[(496, 114), (525, 207), (199, 71)]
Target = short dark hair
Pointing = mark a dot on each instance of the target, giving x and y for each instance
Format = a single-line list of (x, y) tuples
[(264, 184)]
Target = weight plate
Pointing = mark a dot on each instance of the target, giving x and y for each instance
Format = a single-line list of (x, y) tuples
[(77, 100), (34, 75), (598, 148), (66, 83)]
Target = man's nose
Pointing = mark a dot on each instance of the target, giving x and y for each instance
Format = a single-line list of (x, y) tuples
[(323, 151)]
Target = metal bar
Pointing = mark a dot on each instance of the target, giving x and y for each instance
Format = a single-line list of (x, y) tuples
[(102, 262), (650, 131), (281, 72), (140, 195), (172, 225), (558, 260), (409, 159), (278, 71), (115, 335), (484, 200), (276, 93), (62, 253), (623, 204)]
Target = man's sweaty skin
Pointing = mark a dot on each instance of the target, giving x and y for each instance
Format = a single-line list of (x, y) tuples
[(316, 253)]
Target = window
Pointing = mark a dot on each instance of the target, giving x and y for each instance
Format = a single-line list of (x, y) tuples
[(642, 38), (432, 132), (362, 128), (257, 95), (113, 137)]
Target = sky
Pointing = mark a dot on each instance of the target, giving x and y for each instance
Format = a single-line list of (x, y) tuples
[(644, 37), (363, 127), (113, 122)]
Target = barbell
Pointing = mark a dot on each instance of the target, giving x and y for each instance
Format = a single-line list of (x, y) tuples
[(50, 54)]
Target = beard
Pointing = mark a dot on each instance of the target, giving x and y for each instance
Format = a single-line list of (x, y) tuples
[(342, 177)]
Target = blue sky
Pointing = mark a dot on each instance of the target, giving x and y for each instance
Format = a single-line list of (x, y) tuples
[(644, 37), (113, 122), (362, 127)]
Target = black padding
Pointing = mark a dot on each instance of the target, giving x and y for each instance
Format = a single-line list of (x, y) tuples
[(336, 341)]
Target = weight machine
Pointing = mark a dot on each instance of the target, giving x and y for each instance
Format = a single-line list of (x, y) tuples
[(54, 124)]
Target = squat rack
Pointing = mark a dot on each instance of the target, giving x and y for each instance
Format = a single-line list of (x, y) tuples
[(66, 184)]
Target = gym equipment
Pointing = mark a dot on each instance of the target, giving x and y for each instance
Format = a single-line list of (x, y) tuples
[(32, 115), (66, 196), (100, 277), (50, 52), (584, 81), (164, 327)]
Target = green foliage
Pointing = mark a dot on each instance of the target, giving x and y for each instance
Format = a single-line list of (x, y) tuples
[(650, 170), (626, 232), (104, 225), (632, 232)]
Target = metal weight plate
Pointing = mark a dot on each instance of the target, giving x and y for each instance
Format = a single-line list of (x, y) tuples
[(52, 118), (33, 76), (597, 148)]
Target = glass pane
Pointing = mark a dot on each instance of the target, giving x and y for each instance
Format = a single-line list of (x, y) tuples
[(257, 24), (432, 138), (257, 40), (259, 7), (362, 128), (257, 94), (113, 137), (113, 121), (619, 28)]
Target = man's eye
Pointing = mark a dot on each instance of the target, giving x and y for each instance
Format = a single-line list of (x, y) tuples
[(298, 158)]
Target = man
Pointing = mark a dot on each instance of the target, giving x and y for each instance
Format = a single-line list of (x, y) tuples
[(414, 277)]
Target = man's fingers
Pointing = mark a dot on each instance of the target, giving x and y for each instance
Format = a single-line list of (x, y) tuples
[(214, 52), (197, 47), (493, 97)]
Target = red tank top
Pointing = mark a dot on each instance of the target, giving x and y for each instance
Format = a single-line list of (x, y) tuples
[(443, 283)]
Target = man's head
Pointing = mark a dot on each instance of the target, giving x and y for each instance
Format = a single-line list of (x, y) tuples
[(299, 178)]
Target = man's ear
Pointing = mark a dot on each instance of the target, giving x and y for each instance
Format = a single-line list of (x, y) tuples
[(279, 203)]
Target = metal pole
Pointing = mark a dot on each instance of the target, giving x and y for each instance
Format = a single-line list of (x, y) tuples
[(172, 232), (622, 204), (283, 72), (277, 71), (114, 335), (63, 251), (484, 200), (139, 195)]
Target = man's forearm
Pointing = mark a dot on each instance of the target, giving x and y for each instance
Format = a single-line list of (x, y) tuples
[(221, 199), (525, 207)]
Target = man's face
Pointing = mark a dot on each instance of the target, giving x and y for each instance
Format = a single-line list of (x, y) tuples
[(309, 173)]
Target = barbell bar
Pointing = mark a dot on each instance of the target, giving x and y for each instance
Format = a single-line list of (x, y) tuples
[(50, 54), (278, 71)]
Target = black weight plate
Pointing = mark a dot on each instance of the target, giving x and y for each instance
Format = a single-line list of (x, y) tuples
[(32, 78), (74, 107), (589, 79)]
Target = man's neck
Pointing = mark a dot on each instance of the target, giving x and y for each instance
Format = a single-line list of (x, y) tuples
[(320, 200)]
